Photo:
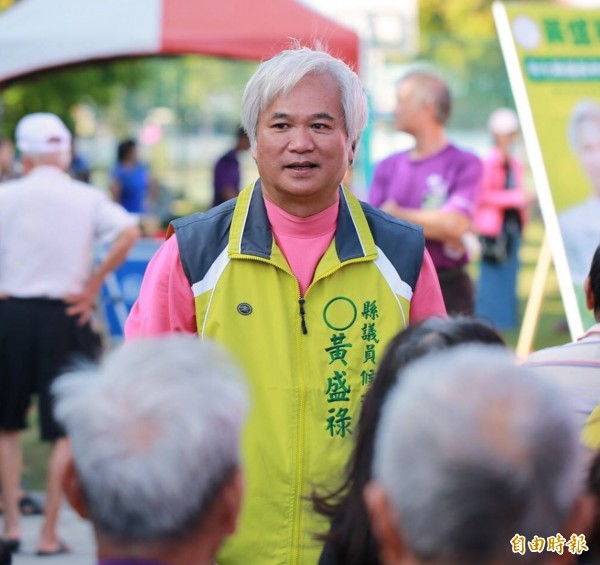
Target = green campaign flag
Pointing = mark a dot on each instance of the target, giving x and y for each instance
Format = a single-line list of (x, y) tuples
[(552, 54)]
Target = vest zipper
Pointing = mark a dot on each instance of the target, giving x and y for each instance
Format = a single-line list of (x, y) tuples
[(300, 457), (302, 320)]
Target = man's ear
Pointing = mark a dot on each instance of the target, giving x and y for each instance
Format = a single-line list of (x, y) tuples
[(351, 152), (73, 489), (383, 524), (590, 299), (580, 521), (230, 501)]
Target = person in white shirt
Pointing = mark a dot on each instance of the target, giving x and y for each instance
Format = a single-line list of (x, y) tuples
[(574, 366), (49, 224)]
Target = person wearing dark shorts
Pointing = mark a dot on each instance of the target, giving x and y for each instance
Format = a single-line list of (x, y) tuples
[(38, 340), (49, 224)]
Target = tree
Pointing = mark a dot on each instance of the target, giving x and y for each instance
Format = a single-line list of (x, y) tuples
[(459, 37), (58, 91), (202, 91)]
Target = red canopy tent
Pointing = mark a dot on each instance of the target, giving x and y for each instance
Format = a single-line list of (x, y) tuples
[(38, 35)]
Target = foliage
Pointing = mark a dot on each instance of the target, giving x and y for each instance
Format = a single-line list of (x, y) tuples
[(201, 91), (458, 19), (459, 38), (58, 91)]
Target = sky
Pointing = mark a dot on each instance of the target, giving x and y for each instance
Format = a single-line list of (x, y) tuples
[(387, 21), (340, 5)]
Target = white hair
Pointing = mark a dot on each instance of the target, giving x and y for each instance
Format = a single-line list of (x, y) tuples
[(155, 431), (583, 111), (472, 449), (283, 72)]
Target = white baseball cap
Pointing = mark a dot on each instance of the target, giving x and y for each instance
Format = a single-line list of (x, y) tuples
[(503, 121), (42, 133)]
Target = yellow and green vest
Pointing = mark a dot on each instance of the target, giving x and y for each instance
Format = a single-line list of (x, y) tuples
[(308, 359)]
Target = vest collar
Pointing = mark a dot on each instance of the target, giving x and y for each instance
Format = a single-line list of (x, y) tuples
[(251, 233)]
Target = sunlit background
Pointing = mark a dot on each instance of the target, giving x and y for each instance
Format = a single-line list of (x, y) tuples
[(183, 110)]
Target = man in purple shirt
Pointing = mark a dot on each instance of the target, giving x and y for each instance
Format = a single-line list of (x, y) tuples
[(155, 440), (435, 184), (227, 175)]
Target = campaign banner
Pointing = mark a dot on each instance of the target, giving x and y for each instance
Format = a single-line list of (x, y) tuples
[(552, 54)]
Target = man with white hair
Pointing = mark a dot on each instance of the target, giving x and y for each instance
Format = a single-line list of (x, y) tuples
[(155, 441), (49, 224), (476, 461), (303, 283)]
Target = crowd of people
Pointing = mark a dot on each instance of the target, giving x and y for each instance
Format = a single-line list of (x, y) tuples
[(303, 378)]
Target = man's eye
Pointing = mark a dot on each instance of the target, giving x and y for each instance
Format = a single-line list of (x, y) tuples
[(320, 126), (280, 126)]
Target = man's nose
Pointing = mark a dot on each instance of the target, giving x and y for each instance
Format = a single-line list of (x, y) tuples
[(301, 140)]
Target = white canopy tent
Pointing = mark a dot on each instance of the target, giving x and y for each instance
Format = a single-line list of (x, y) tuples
[(38, 35)]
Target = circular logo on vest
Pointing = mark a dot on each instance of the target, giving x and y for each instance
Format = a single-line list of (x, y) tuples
[(244, 309), (339, 313)]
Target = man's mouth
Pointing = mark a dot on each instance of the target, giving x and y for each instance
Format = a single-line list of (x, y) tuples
[(301, 166)]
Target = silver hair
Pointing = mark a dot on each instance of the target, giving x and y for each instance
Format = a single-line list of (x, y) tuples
[(473, 449), (283, 72), (155, 431), (433, 89), (583, 111)]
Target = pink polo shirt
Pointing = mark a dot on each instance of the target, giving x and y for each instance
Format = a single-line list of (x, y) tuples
[(166, 302)]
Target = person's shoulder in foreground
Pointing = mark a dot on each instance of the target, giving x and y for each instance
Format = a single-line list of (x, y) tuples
[(463, 154), (575, 366)]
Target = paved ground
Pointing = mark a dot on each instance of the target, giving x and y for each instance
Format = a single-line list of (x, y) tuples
[(75, 531)]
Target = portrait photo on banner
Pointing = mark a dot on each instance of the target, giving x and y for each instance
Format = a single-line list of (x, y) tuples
[(552, 55)]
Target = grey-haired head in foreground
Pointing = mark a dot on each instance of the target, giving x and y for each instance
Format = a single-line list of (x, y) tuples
[(155, 432), (471, 450)]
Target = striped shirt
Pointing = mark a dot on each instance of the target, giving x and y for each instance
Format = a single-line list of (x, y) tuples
[(575, 369)]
